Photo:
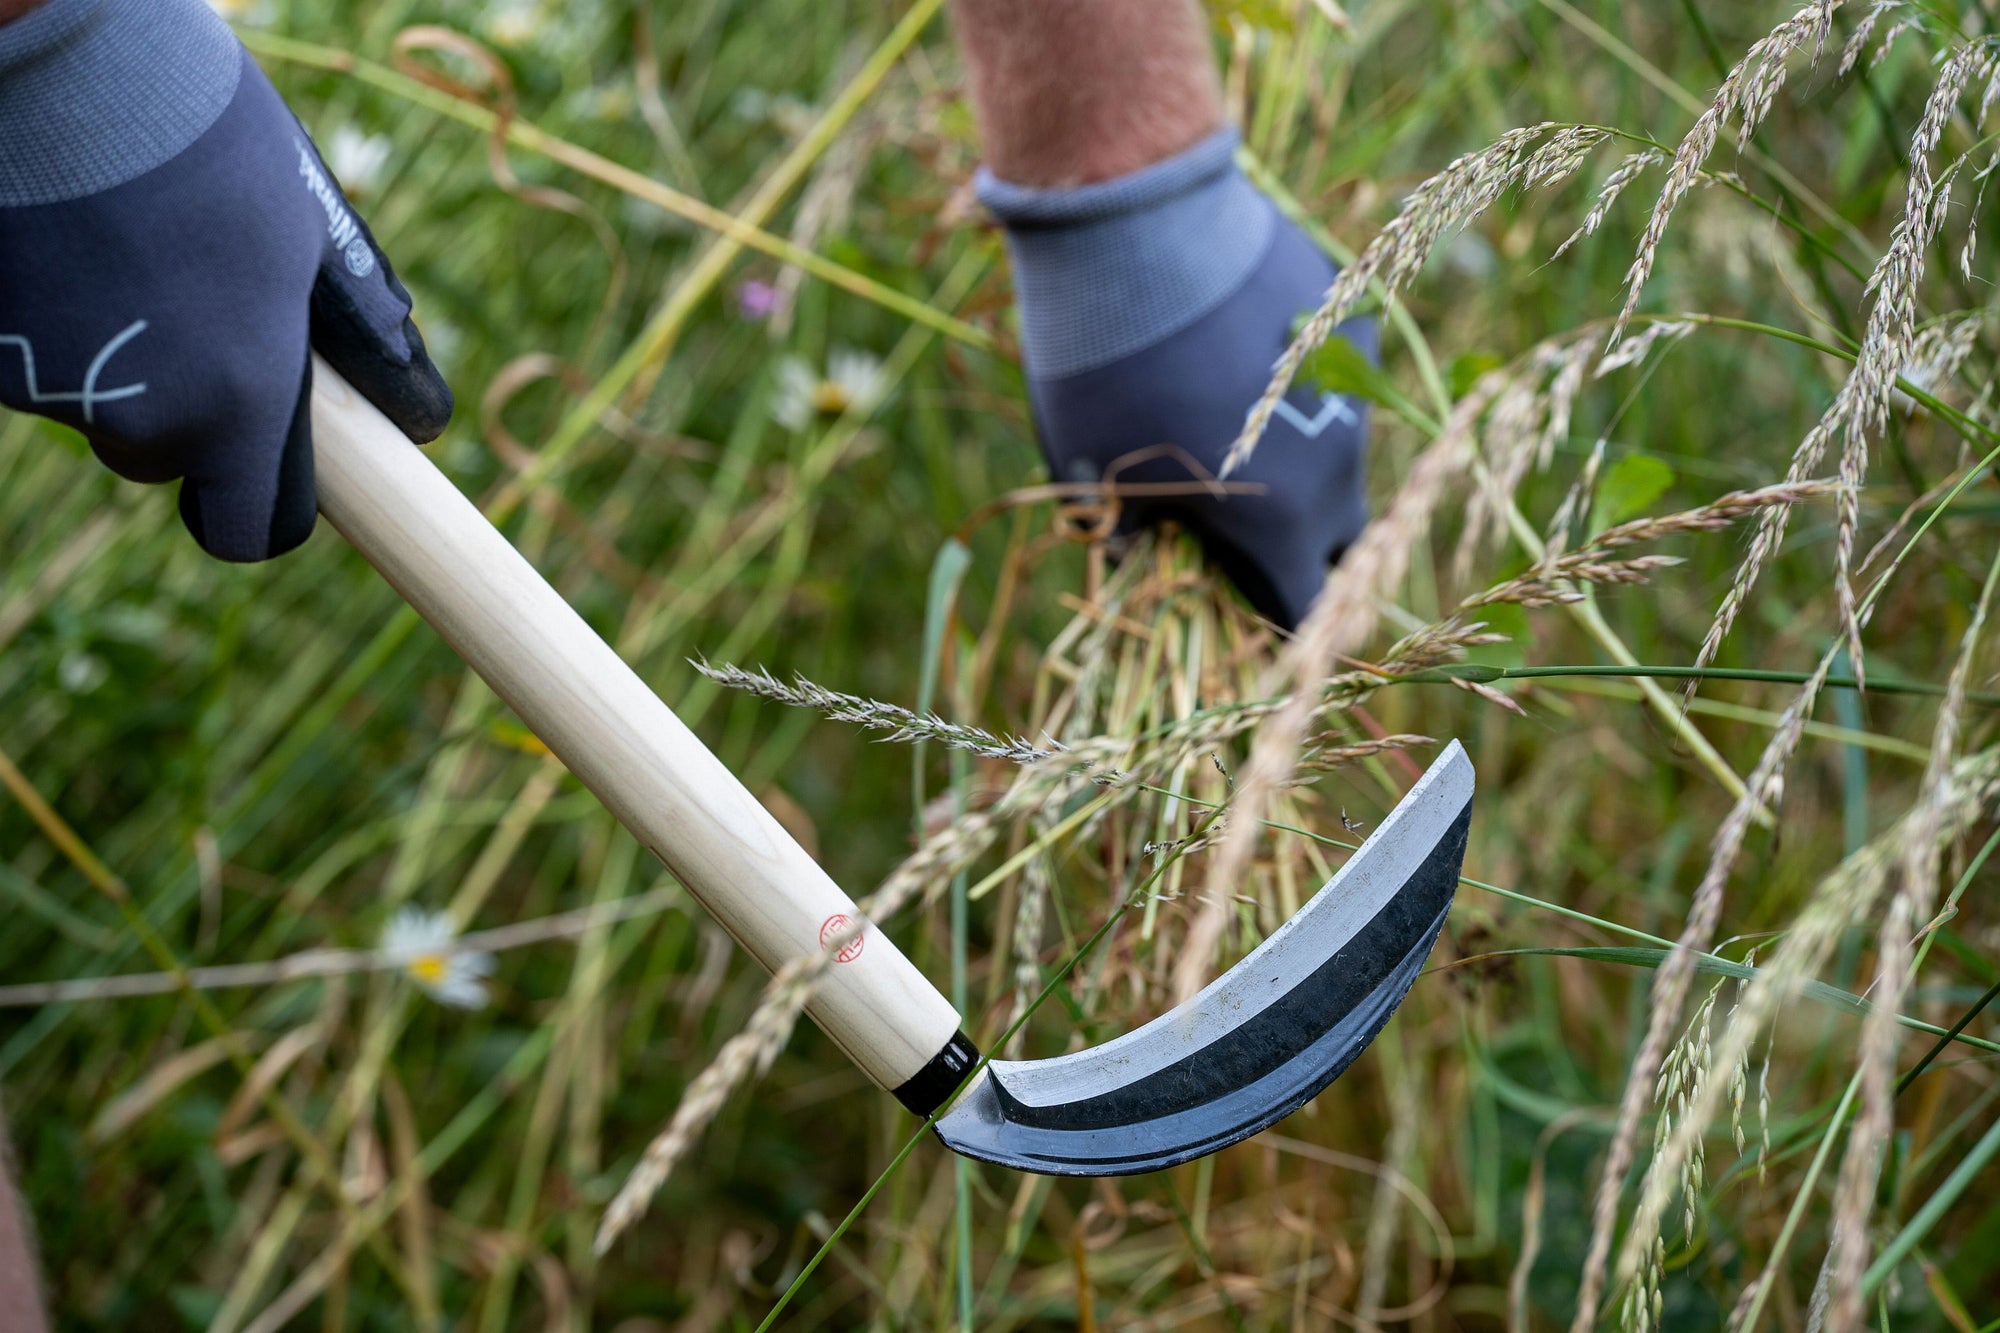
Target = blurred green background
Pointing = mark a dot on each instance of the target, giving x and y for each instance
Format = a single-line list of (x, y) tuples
[(278, 758)]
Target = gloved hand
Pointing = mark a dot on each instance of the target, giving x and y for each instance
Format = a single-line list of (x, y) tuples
[(169, 242), (1152, 307)]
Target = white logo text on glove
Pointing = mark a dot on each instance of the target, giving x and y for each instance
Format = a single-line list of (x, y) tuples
[(340, 223)]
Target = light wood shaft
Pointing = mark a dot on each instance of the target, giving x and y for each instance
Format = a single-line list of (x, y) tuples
[(429, 541)]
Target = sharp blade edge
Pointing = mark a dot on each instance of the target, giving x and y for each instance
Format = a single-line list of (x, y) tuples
[(1259, 1041)]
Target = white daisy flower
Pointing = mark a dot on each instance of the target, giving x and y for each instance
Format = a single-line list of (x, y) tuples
[(791, 114), (853, 381), (516, 23), (792, 405), (357, 159), (750, 103), (81, 672), (420, 942)]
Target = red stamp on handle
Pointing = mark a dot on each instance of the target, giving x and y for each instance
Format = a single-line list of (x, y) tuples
[(832, 926)]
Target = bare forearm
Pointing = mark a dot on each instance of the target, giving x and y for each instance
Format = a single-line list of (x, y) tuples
[(1073, 91), (13, 9), (20, 1305)]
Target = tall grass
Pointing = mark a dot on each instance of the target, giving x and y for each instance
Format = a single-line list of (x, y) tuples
[(1689, 374)]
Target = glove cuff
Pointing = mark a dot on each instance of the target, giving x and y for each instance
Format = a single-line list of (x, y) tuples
[(1105, 270), (95, 93)]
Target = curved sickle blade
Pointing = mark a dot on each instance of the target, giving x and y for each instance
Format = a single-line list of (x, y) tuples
[(1263, 1039)]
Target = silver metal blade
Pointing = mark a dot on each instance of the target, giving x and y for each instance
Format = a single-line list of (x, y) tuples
[(1260, 1040)]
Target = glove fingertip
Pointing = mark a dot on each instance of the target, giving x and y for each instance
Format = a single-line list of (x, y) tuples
[(411, 391), (236, 516), (387, 363), (427, 402)]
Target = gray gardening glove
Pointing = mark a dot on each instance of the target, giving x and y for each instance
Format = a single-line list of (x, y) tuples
[(170, 241), (1152, 308)]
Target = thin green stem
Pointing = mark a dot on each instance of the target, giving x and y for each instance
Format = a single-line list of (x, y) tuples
[(1693, 105), (1513, 895), (1482, 673), (1965, 425), (321, 1169), (1585, 613), (643, 357), (1934, 1208), (1714, 965), (1949, 1036), (1713, 48), (1797, 1212), (528, 136)]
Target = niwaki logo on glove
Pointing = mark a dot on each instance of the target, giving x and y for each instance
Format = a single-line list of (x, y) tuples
[(340, 223), (89, 396)]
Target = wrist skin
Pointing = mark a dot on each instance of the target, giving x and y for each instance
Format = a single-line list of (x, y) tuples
[(13, 9), (1072, 92)]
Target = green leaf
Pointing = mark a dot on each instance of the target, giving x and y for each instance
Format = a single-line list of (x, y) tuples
[(940, 600), (947, 572), (1466, 370), (1337, 366), (1629, 488)]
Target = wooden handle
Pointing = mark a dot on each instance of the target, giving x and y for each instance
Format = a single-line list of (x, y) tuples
[(601, 720)]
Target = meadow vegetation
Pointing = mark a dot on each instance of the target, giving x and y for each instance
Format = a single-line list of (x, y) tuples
[(331, 1001)]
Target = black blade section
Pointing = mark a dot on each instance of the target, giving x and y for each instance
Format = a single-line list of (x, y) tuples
[(978, 1126), (1286, 1029), (1238, 1080)]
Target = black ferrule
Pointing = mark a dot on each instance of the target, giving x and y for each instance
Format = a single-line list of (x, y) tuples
[(928, 1088)]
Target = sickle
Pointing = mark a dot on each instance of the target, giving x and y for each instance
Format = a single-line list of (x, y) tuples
[(1258, 1043)]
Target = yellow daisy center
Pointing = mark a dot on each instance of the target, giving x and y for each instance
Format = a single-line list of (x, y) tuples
[(831, 397), (429, 968)]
